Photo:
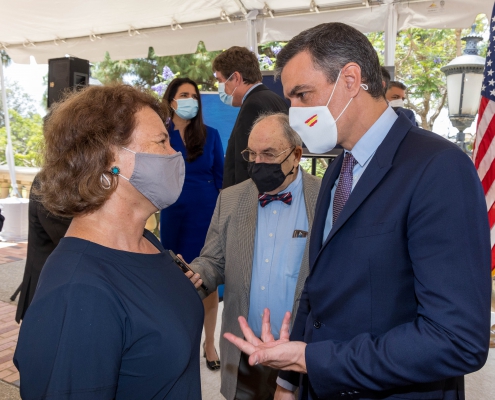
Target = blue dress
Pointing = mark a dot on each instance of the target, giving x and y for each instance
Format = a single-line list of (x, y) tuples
[(110, 324), (183, 225)]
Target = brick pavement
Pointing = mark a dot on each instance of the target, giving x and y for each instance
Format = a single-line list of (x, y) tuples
[(9, 329)]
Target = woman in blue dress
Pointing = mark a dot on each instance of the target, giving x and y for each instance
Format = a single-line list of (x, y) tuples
[(190, 216)]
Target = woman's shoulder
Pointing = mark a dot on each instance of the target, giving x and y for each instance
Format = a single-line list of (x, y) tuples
[(74, 261), (211, 130), (82, 262), (212, 135)]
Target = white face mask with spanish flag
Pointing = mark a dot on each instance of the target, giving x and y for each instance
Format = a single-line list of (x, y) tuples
[(316, 125)]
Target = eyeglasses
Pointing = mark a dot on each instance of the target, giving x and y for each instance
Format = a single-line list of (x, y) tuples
[(251, 156)]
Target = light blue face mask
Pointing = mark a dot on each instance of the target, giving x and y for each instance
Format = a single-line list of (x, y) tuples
[(187, 108), (224, 97)]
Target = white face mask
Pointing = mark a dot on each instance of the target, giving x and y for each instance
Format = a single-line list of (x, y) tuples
[(316, 125), (396, 103), (224, 97)]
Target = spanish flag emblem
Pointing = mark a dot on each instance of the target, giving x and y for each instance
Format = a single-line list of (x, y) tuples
[(312, 120)]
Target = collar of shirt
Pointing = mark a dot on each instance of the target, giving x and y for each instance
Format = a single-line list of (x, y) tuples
[(363, 152), (250, 89), (366, 147), (277, 257)]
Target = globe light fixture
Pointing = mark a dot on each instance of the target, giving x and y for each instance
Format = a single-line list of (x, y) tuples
[(464, 77)]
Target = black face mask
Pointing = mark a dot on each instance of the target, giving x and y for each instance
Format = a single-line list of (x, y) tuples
[(268, 177)]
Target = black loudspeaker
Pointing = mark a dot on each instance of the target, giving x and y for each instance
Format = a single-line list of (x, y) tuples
[(65, 74)]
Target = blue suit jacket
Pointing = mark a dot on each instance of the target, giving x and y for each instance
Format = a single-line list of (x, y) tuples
[(397, 302), (408, 113)]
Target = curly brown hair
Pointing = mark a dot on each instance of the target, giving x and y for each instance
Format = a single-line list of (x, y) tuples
[(79, 135), (241, 60)]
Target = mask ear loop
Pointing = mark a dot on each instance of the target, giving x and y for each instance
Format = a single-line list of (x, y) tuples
[(125, 148), (231, 75), (364, 86), (116, 170), (334, 86), (171, 108)]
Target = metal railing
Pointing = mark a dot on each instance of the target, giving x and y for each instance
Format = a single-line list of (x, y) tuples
[(329, 156), (24, 179)]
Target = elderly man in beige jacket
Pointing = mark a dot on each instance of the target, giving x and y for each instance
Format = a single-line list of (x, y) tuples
[(257, 245)]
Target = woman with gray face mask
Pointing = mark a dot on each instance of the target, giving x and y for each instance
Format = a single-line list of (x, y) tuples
[(113, 317), (203, 154)]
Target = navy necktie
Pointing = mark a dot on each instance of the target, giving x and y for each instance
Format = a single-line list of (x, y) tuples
[(344, 187), (268, 198)]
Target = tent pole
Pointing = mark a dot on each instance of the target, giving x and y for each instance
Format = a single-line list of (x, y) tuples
[(252, 35), (9, 150), (391, 35)]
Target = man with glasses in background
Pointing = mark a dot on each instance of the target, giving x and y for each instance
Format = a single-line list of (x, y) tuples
[(257, 244)]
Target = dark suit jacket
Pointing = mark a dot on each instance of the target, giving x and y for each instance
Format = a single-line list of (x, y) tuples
[(260, 100), (45, 231), (397, 302), (408, 113)]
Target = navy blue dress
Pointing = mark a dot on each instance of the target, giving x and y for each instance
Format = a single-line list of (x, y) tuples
[(183, 225), (110, 324)]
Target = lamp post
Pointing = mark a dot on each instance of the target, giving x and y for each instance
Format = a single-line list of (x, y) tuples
[(464, 77)]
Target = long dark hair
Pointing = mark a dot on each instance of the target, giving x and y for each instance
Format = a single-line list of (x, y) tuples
[(195, 133)]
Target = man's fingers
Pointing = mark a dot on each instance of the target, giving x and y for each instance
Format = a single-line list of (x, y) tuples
[(194, 278), (241, 344), (284, 329), (266, 330), (248, 332)]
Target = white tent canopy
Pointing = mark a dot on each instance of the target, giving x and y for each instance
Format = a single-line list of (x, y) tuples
[(86, 29)]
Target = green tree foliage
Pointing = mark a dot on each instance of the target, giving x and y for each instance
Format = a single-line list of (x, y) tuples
[(267, 54), (321, 165), (25, 127), (420, 53), (146, 72), (109, 71), (17, 100), (27, 137)]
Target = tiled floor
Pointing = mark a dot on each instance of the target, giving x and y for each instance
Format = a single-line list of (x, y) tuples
[(9, 329), (12, 252), (479, 385)]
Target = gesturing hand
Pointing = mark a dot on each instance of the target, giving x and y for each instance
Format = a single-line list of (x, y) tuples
[(278, 354)]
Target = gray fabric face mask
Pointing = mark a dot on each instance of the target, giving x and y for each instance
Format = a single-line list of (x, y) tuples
[(158, 177)]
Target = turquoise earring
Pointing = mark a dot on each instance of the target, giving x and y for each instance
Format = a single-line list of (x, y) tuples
[(115, 170)]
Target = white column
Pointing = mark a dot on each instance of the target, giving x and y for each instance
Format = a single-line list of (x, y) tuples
[(252, 34), (391, 35), (9, 151)]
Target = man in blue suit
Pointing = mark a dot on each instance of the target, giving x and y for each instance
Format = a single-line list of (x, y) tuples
[(397, 301)]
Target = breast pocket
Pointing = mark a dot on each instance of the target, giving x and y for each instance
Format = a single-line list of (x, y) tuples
[(295, 255)]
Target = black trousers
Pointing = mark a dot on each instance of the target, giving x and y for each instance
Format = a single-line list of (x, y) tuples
[(255, 382)]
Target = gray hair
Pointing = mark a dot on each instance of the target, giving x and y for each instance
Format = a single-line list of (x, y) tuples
[(332, 46), (283, 119)]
